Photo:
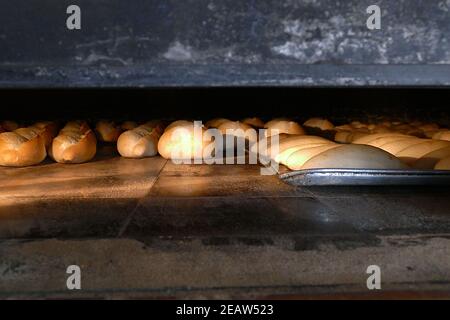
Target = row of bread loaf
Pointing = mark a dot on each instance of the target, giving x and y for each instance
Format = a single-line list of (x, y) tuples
[(418, 153), (76, 143), (350, 132), (295, 149), (25, 146)]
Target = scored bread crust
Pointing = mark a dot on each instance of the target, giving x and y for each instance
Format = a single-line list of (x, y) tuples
[(48, 131), (108, 131), (354, 157), (416, 151), (429, 160), (384, 140), (179, 123), (254, 122), (75, 143), (319, 123), (139, 142), (181, 143), (297, 159), (287, 141), (442, 135), (216, 122), (395, 146), (373, 137), (282, 126), (286, 153), (21, 148)]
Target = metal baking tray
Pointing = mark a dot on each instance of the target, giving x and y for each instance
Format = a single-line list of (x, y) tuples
[(365, 177)]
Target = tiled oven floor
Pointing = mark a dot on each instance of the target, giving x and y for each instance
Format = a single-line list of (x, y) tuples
[(149, 228)]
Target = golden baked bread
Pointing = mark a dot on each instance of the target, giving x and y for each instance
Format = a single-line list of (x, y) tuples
[(254, 122), (319, 123), (181, 142), (442, 135), (297, 159), (429, 160), (215, 123), (353, 156), (22, 147), (416, 151), (139, 142), (179, 123), (107, 131), (75, 143), (48, 130), (282, 126)]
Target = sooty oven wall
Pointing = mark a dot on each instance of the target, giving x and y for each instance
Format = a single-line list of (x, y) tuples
[(224, 43)]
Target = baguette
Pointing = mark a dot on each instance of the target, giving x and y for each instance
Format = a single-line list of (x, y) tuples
[(107, 131), (322, 124), (215, 123), (442, 135), (254, 122), (297, 159), (416, 151), (353, 157), (181, 143), (179, 123), (139, 142), (430, 160), (75, 143), (282, 126), (22, 147), (48, 131)]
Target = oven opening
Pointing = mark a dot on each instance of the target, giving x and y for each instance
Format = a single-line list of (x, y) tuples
[(189, 230)]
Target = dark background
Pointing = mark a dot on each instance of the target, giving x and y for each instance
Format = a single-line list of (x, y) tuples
[(338, 104)]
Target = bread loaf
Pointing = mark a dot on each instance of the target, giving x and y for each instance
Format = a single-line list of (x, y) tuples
[(48, 131), (182, 142), (395, 146), (254, 122), (343, 136), (376, 140), (215, 123), (442, 135), (286, 153), (353, 157), (179, 123), (22, 147), (75, 143), (429, 160), (322, 124), (107, 131), (293, 141), (375, 137), (238, 129), (139, 142), (282, 126), (416, 151), (297, 159)]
